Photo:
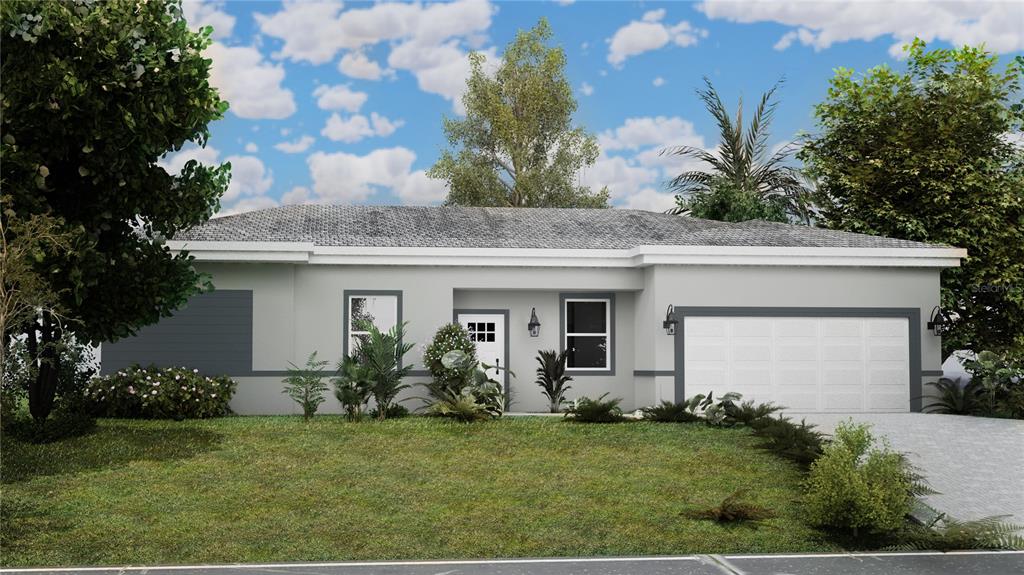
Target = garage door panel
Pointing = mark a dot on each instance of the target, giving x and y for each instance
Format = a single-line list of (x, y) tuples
[(805, 364)]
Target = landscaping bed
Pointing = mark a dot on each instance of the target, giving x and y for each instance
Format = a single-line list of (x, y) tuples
[(258, 489)]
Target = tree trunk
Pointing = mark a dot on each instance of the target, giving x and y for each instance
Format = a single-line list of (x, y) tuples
[(44, 354)]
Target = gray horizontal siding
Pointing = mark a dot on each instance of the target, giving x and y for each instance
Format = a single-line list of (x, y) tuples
[(211, 333)]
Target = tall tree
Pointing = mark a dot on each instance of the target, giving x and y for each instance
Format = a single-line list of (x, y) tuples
[(744, 179), (95, 93), (928, 155), (517, 146)]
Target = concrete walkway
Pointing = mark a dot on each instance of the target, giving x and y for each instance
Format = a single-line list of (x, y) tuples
[(975, 463), (966, 563)]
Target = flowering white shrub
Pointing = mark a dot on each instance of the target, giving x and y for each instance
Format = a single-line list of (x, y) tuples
[(160, 393)]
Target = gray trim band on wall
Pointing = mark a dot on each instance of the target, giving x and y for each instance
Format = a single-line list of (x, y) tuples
[(932, 373), (504, 312), (285, 373), (612, 348), (652, 372), (912, 314)]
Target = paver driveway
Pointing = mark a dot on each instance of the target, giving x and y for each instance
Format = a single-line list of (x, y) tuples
[(975, 463)]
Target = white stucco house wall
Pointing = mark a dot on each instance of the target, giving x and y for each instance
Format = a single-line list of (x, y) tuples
[(813, 319)]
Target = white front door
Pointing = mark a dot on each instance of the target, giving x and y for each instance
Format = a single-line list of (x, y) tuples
[(487, 331)]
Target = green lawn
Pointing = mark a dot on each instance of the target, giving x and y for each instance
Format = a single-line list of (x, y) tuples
[(246, 489)]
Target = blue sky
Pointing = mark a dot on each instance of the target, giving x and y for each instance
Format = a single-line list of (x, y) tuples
[(342, 103)]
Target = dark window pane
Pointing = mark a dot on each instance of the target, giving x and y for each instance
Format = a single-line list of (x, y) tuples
[(490, 336), (585, 316), (490, 327), (586, 351)]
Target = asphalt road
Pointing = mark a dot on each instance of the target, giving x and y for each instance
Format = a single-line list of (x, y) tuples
[(962, 563)]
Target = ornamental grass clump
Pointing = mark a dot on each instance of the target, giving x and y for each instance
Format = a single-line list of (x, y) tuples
[(600, 410), (160, 393)]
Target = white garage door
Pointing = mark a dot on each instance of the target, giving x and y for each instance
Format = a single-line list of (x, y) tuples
[(807, 364)]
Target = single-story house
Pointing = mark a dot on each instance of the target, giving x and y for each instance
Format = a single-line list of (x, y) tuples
[(651, 306)]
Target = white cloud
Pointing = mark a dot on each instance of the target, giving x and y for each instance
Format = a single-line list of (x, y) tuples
[(300, 145), (650, 33), (622, 176), (587, 89), (357, 127), (252, 148), (658, 82), (339, 97), (199, 14), (285, 131), (348, 178), (174, 162), (249, 177), (418, 189), (651, 200), (659, 131), (357, 65), (427, 40), (296, 195), (822, 24), (251, 85)]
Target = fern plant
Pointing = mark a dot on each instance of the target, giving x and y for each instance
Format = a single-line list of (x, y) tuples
[(306, 386), (747, 412), (669, 412), (799, 443), (947, 534), (733, 509), (552, 379), (600, 410)]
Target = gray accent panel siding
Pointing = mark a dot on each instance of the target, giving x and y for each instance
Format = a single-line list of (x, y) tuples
[(913, 316), (652, 372), (211, 333)]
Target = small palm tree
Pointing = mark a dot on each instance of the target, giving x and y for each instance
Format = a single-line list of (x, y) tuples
[(551, 377), (742, 162)]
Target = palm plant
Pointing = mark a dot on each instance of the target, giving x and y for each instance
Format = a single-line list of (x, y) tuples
[(551, 377), (353, 387), (742, 164), (954, 398), (380, 354)]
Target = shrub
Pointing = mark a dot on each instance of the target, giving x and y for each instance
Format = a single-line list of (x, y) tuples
[(63, 423), (160, 393), (552, 379), (717, 413), (954, 398), (380, 355), (305, 385), (471, 396), (77, 366), (796, 442), (395, 411), (586, 410), (353, 387), (449, 337), (733, 509), (857, 487), (669, 412), (948, 534), (999, 379)]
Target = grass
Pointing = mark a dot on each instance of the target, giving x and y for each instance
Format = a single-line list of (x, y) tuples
[(247, 489)]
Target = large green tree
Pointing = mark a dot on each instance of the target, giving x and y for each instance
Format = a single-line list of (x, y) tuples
[(516, 145), (928, 155), (742, 179), (94, 94)]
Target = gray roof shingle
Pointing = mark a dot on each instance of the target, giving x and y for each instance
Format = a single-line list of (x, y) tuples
[(469, 227)]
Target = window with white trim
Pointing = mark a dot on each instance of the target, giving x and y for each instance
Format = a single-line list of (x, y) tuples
[(379, 310), (587, 337)]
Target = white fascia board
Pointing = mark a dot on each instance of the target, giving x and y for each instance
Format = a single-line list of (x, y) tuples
[(641, 256)]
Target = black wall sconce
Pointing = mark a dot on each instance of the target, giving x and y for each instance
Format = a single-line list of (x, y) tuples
[(670, 322), (534, 325), (938, 321)]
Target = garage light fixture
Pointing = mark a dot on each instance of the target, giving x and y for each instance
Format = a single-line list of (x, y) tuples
[(670, 322), (938, 321), (534, 325)]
